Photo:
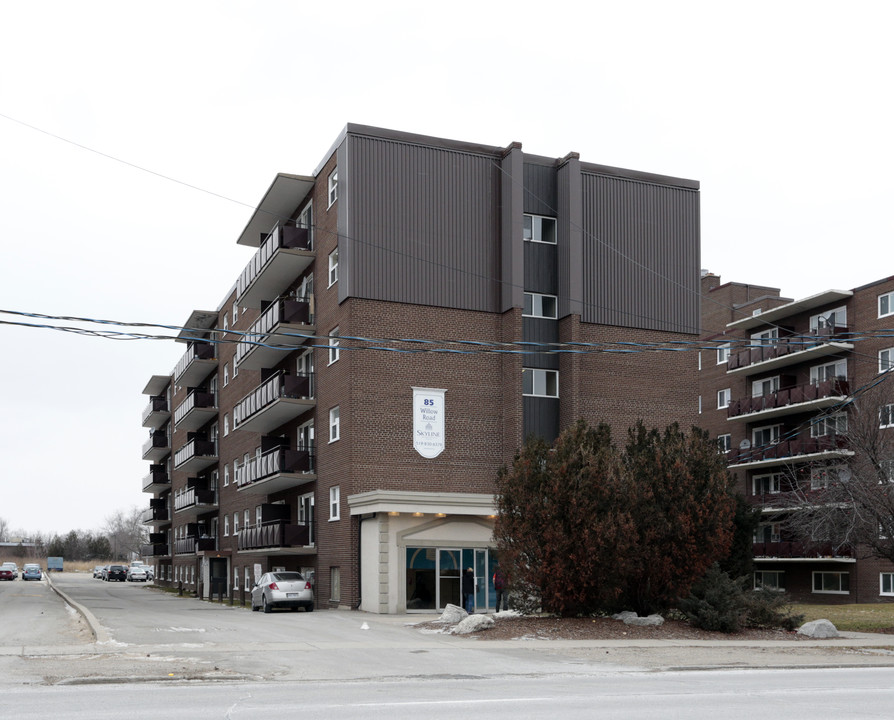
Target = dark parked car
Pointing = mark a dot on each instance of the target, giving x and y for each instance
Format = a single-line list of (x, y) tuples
[(6, 574), (116, 572)]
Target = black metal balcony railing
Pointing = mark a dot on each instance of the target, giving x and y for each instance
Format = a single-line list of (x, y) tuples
[(154, 550), (195, 448), (157, 404), (157, 478), (154, 514), (788, 448), (277, 534), (157, 440), (789, 396), (274, 462), (192, 497), (292, 312), (282, 236), (195, 399), (799, 550), (280, 386), (784, 346), (191, 545), (198, 350)]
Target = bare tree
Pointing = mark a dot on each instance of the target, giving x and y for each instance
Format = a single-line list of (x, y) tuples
[(850, 502), (4, 530), (125, 532)]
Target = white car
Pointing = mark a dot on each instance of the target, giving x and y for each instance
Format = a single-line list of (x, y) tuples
[(136, 573), (282, 589)]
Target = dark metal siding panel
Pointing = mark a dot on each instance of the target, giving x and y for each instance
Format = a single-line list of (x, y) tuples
[(541, 417), (540, 268), (542, 332), (424, 225), (540, 189), (640, 254)]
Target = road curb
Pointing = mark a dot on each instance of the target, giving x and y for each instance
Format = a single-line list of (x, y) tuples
[(98, 631)]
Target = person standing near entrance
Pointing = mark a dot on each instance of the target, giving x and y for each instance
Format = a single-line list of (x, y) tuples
[(468, 590), (500, 588)]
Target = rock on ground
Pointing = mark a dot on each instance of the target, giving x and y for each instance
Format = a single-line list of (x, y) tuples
[(453, 614), (472, 624), (819, 629), (648, 621)]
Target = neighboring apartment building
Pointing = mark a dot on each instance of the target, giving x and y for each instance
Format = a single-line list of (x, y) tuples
[(345, 409), (777, 392)]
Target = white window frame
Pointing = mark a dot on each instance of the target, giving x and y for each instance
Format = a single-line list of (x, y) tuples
[(226, 475), (235, 578), (820, 475), (334, 345), (779, 577), (334, 424), (533, 229), (840, 574), (333, 187), (226, 374), (539, 305), (725, 443), (774, 484), (829, 425), (828, 371), (881, 583), (334, 503), (830, 318), (886, 304), (246, 518), (775, 433), (759, 387), (723, 352), (766, 337), (226, 424), (886, 416), (538, 381), (236, 523), (724, 398), (226, 532), (235, 312), (306, 220), (333, 267), (886, 360)]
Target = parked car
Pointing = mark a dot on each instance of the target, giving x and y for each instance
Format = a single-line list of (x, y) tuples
[(6, 573), (97, 571), (150, 573), (282, 589), (13, 568), (31, 571), (115, 572), (136, 573)]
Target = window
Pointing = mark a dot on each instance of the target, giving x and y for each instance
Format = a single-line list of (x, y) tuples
[(540, 383), (539, 229), (725, 443), (235, 578), (333, 186), (723, 353), (886, 360), (887, 468), (235, 312), (226, 323), (540, 306), (828, 371), (837, 583), (767, 533), (886, 304), (766, 337), (764, 387), (247, 584), (226, 374), (226, 475), (333, 267), (831, 425), (829, 320), (246, 518), (723, 398), (226, 424), (333, 345), (334, 496), (822, 477), (886, 416), (769, 484), (886, 583), (306, 220), (226, 531), (770, 579), (334, 424), (767, 435), (334, 584), (235, 523)]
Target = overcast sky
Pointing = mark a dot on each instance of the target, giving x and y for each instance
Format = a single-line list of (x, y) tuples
[(780, 109)]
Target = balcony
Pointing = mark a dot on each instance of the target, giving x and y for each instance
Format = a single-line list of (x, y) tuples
[(801, 551), (198, 409), (789, 401), (282, 257), (196, 499), (156, 412), (278, 537), (277, 400), (157, 447), (157, 479), (196, 455), (192, 545), (157, 512), (789, 452), (789, 351), (282, 328), (197, 363), (154, 550), (275, 470)]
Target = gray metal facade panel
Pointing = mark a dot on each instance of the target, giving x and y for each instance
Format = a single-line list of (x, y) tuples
[(542, 332), (540, 268), (540, 417), (424, 225), (540, 189), (640, 254)]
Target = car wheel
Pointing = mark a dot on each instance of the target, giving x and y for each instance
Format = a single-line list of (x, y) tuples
[(309, 608), (266, 605)]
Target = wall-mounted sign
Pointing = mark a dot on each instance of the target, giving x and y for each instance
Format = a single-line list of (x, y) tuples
[(428, 421)]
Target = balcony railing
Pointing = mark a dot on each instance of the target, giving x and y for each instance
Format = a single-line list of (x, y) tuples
[(784, 346), (154, 514), (789, 449), (191, 545), (279, 399), (277, 469), (271, 271), (156, 411), (157, 479), (157, 447), (800, 550), (789, 397), (194, 497), (278, 534), (195, 455), (154, 550), (267, 340), (198, 408), (196, 364)]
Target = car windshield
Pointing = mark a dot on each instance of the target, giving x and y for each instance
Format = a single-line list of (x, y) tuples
[(288, 577)]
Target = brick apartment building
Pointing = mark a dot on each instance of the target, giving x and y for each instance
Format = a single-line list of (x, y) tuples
[(777, 394), (346, 407)]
